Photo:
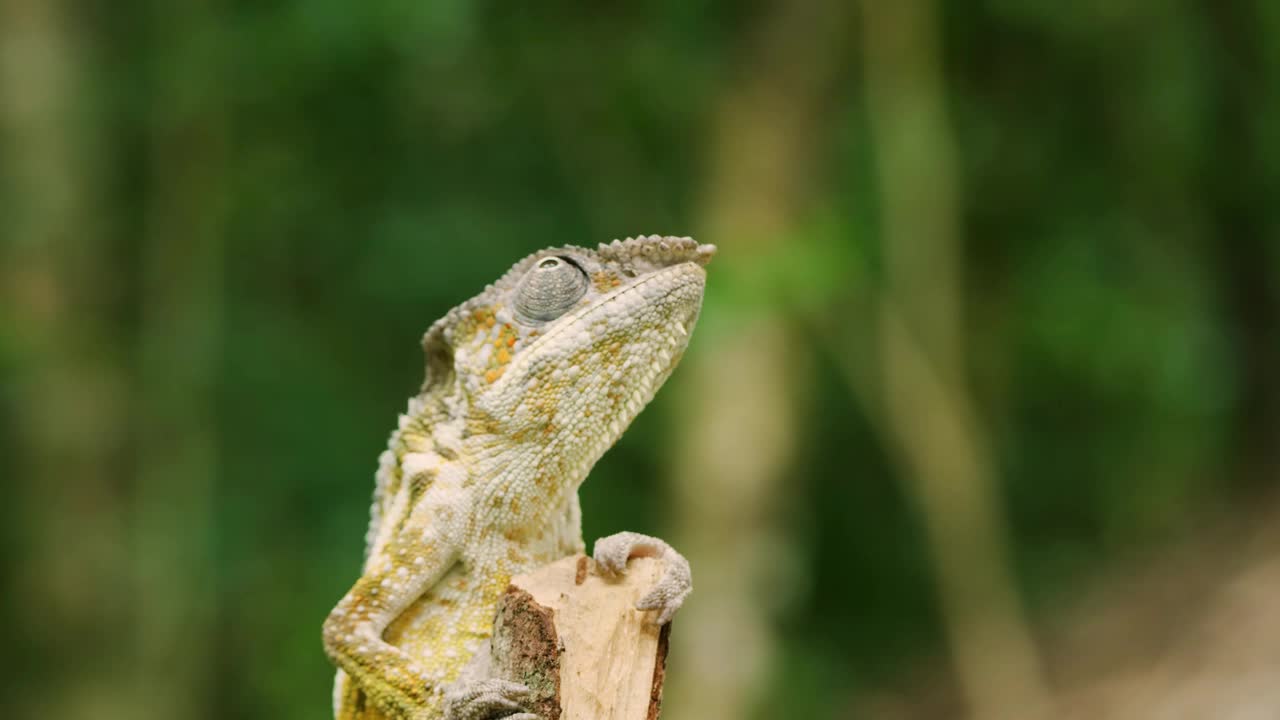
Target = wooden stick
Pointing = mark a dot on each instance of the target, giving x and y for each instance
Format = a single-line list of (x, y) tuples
[(575, 638)]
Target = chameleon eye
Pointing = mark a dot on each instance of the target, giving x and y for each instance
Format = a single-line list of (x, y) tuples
[(547, 291)]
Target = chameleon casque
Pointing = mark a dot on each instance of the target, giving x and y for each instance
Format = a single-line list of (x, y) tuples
[(527, 385)]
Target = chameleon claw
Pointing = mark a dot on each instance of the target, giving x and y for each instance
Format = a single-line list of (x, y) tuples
[(489, 699), (612, 553), (669, 594)]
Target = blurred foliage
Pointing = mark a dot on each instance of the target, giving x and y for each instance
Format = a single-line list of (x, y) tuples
[(361, 168)]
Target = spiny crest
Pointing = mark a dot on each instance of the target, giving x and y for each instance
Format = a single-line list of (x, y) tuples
[(654, 251)]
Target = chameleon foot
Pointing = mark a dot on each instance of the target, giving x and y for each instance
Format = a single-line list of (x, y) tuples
[(611, 555), (490, 699)]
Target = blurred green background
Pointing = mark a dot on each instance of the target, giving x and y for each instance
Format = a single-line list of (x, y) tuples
[(994, 321)]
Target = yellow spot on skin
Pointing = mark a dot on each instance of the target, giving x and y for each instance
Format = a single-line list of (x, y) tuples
[(484, 316), (505, 338), (492, 376), (481, 423), (604, 280)]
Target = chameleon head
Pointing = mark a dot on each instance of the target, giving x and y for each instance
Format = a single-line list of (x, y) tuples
[(552, 362)]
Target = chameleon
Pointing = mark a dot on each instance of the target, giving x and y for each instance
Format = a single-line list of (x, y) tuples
[(527, 385)]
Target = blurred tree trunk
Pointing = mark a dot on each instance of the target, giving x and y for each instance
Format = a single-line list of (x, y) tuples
[(929, 414), (71, 387), (1191, 630), (741, 395), (179, 352), (1242, 193)]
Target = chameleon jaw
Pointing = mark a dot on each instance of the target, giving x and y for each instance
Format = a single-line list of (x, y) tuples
[(569, 396)]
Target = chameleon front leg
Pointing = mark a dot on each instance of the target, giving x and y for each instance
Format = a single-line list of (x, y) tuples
[(410, 565), (401, 572), (612, 553)]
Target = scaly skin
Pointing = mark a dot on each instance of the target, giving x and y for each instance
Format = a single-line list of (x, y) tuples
[(527, 385)]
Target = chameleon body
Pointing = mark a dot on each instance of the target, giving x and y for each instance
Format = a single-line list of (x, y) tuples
[(527, 385)]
